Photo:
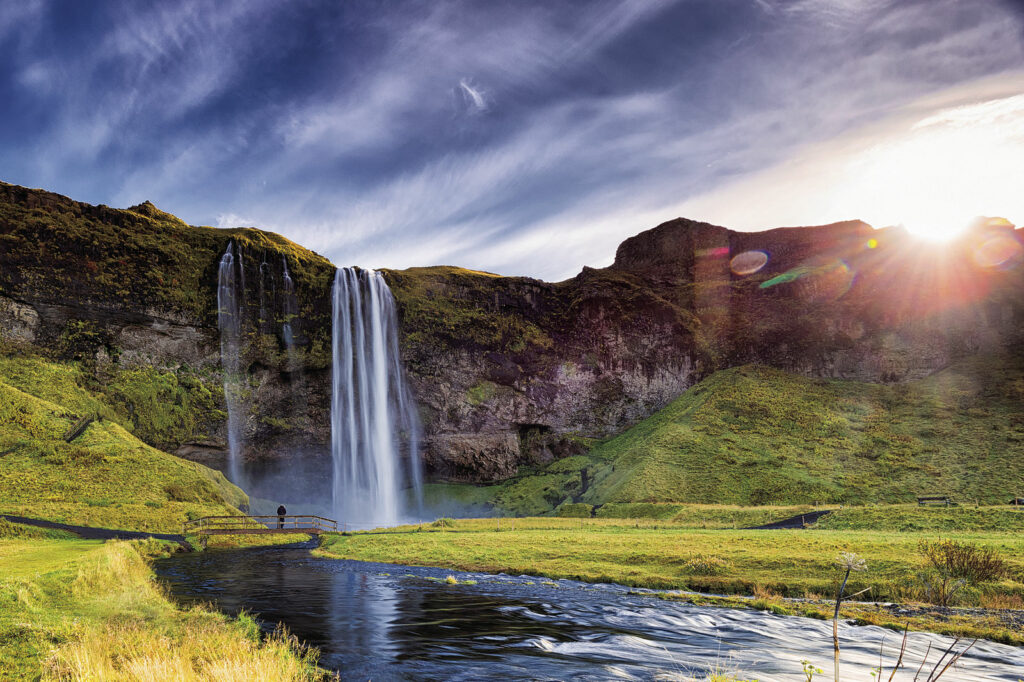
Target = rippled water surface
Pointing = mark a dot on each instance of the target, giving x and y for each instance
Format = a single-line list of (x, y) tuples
[(385, 622)]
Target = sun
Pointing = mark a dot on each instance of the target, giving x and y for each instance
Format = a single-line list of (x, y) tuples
[(934, 228), (947, 169)]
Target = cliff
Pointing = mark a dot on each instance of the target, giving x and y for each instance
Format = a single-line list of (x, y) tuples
[(507, 371), (513, 371)]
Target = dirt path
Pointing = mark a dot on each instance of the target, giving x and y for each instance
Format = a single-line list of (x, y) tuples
[(91, 533), (797, 521)]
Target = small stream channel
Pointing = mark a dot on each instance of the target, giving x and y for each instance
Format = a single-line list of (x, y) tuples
[(387, 622)]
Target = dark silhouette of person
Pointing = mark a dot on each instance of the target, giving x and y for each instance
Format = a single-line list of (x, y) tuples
[(281, 511)]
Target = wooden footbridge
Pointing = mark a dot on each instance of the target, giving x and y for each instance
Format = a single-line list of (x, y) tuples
[(260, 525)]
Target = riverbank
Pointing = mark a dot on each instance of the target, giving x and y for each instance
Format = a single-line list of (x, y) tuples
[(769, 565), (75, 609)]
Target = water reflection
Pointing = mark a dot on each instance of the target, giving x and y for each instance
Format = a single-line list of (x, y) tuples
[(382, 622)]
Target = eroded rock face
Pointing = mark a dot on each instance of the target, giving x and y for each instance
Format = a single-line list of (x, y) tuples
[(19, 322), (506, 371)]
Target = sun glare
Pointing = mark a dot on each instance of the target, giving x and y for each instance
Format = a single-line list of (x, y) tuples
[(932, 169), (944, 171)]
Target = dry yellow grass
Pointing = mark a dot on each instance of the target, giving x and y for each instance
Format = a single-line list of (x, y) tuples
[(95, 612)]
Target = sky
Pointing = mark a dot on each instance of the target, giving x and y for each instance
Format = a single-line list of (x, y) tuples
[(523, 138)]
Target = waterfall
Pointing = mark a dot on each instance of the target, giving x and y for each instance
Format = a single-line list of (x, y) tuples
[(289, 314), (265, 295), (229, 321), (372, 412)]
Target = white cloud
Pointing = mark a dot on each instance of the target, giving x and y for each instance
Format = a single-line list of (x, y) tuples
[(21, 17), (225, 220)]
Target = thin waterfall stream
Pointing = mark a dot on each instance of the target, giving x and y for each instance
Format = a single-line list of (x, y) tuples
[(290, 311), (229, 322)]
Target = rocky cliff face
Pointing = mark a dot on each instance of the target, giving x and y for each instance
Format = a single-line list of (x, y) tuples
[(507, 371)]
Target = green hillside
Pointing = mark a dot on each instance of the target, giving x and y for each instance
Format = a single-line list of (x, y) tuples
[(105, 476), (755, 435)]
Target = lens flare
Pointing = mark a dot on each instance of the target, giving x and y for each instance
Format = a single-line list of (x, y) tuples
[(829, 281), (748, 262), (713, 252), (1000, 251)]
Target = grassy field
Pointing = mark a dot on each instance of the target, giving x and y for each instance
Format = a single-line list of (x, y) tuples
[(666, 554), (911, 518), (81, 609)]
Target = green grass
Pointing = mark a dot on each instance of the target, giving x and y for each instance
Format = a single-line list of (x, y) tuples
[(10, 530), (106, 477), (753, 435), (162, 407), (655, 554), (87, 610), (665, 555), (457, 498), (910, 517)]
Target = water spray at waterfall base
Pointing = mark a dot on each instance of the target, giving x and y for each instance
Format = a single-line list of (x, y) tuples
[(374, 427)]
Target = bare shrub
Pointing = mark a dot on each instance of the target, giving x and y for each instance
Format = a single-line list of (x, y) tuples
[(952, 566)]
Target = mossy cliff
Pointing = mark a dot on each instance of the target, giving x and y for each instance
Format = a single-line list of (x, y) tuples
[(508, 372), (132, 294)]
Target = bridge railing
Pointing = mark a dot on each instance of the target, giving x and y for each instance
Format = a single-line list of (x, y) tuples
[(266, 523)]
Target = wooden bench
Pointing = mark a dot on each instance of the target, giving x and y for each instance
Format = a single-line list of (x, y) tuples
[(933, 499)]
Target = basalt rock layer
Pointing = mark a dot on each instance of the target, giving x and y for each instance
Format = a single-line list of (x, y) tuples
[(507, 371)]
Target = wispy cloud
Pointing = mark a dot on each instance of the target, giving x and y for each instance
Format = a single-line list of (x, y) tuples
[(473, 97), (571, 128)]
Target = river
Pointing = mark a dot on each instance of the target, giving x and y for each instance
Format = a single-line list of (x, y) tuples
[(388, 622)]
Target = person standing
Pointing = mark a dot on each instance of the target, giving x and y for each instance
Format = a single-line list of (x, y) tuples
[(281, 511)]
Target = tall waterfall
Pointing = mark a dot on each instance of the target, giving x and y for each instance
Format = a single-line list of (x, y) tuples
[(229, 321), (373, 418)]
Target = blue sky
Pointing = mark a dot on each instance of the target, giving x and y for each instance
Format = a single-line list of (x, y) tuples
[(517, 137)]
